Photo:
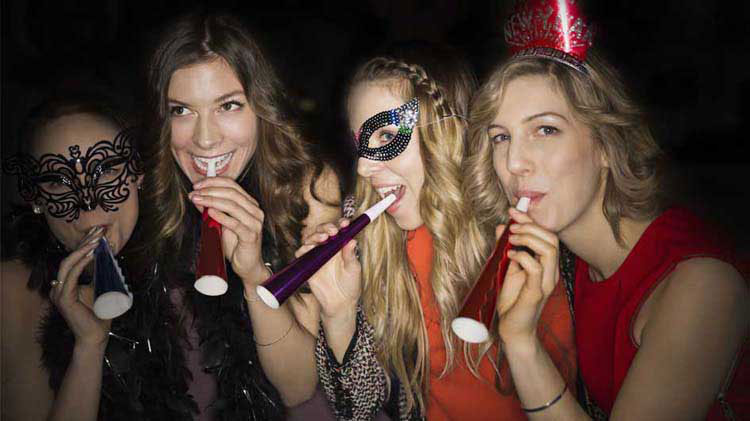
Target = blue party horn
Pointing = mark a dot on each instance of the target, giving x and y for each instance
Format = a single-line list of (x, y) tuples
[(112, 297)]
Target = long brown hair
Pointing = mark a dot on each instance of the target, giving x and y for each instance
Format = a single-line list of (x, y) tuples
[(391, 297), (282, 163)]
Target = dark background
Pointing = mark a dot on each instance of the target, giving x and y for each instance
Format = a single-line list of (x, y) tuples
[(686, 60)]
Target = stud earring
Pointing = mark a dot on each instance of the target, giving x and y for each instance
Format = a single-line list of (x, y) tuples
[(36, 209)]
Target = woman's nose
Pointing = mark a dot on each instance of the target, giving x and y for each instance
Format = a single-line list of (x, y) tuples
[(366, 167), (519, 161), (206, 135)]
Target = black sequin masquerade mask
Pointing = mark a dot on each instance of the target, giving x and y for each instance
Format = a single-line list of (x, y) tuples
[(107, 169), (405, 117)]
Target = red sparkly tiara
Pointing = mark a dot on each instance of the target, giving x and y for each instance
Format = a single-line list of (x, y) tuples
[(554, 29)]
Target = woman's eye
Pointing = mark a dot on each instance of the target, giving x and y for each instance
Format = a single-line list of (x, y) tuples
[(54, 184), (178, 110), (386, 137), (499, 138), (547, 130), (231, 106), (109, 173)]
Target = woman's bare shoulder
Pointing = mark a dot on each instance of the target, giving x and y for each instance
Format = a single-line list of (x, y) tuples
[(15, 275), (21, 306)]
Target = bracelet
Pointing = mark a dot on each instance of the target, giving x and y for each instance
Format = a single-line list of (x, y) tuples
[(244, 292), (291, 325), (548, 404), (252, 300)]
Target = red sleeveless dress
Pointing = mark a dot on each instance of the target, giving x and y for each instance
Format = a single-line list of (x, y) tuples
[(605, 311)]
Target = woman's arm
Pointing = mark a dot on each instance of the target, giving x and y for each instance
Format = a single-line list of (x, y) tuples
[(704, 301), (285, 336), (80, 391), (691, 334)]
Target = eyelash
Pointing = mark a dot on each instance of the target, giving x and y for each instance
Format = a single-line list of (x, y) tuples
[(542, 130), (552, 130), (225, 105), (173, 110), (384, 134), (499, 138)]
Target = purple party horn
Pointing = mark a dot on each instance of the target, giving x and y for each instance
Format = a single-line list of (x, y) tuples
[(284, 283)]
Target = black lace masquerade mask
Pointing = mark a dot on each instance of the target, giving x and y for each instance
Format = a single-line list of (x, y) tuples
[(405, 117), (107, 169)]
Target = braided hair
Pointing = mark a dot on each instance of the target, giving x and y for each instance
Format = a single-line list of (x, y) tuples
[(390, 295)]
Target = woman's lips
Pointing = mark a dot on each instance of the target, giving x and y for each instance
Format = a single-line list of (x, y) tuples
[(399, 194), (534, 196), (200, 164)]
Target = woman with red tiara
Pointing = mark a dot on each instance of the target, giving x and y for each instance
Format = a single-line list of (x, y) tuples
[(386, 339), (660, 310)]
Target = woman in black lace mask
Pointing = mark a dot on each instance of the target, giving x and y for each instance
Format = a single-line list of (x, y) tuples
[(80, 174)]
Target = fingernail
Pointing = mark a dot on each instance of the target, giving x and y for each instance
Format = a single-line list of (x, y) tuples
[(197, 198), (513, 237), (515, 227), (95, 240), (511, 252), (89, 254)]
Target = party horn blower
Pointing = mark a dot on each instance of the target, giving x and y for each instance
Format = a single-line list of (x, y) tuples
[(284, 283), (211, 274), (472, 323), (112, 297)]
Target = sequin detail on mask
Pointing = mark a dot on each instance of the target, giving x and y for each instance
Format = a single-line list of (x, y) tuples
[(405, 117)]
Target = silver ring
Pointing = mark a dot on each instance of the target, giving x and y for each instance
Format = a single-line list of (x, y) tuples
[(55, 283)]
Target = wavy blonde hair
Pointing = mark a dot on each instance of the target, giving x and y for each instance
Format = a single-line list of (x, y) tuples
[(600, 101), (390, 297)]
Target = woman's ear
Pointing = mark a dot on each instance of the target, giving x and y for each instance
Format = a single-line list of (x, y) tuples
[(603, 157)]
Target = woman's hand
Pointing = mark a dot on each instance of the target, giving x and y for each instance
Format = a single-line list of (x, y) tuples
[(75, 302), (337, 285), (530, 279), (242, 225)]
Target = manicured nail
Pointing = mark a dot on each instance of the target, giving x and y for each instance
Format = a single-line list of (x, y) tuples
[(90, 253), (197, 198)]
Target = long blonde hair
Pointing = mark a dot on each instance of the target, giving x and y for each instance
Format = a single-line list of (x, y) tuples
[(390, 297)]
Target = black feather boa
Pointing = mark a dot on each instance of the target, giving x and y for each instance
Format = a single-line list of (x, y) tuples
[(145, 373)]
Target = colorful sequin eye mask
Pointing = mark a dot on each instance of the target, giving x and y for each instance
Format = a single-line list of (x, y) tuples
[(405, 117), (107, 169)]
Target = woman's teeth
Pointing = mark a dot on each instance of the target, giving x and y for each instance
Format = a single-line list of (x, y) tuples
[(221, 161), (384, 191)]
